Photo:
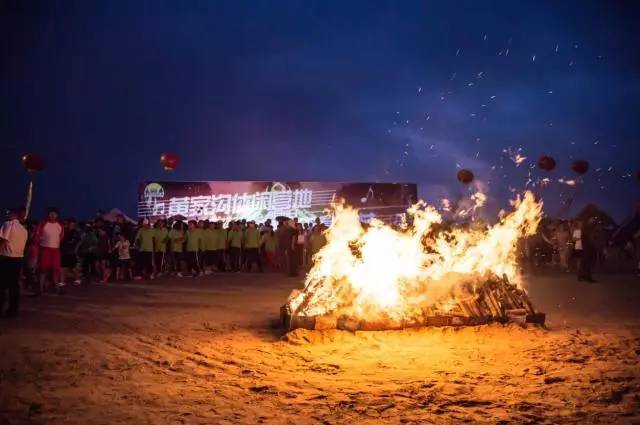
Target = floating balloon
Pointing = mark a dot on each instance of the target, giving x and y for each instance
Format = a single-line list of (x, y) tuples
[(546, 163), (169, 161), (465, 176), (32, 162), (580, 166)]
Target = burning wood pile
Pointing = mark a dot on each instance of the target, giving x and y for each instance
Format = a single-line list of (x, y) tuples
[(497, 300), (427, 274)]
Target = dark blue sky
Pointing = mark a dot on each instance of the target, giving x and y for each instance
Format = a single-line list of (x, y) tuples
[(318, 90)]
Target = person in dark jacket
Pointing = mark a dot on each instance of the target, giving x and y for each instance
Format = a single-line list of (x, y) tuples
[(588, 254)]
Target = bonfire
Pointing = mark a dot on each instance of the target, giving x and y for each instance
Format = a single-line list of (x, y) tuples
[(428, 273)]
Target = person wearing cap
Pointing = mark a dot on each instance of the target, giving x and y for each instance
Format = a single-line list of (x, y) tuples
[(13, 239), (251, 243), (144, 241)]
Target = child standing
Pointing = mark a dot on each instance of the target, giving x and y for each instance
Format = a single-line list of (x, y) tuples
[(123, 267)]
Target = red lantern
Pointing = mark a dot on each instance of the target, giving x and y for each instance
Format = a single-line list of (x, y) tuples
[(580, 166), (32, 162), (169, 161), (546, 163), (465, 176)]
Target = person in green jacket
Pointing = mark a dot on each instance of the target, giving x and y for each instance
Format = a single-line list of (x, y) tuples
[(160, 240), (251, 243), (234, 244), (177, 238), (194, 246), (220, 246), (144, 241), (208, 246)]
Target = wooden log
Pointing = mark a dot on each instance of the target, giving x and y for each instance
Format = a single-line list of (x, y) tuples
[(325, 322), (304, 322), (439, 321), (348, 324), (536, 318)]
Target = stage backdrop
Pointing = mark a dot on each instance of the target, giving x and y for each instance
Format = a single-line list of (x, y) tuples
[(254, 200)]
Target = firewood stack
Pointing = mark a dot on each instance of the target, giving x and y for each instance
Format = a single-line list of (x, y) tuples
[(497, 300)]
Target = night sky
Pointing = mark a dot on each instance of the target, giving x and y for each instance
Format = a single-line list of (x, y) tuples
[(320, 90)]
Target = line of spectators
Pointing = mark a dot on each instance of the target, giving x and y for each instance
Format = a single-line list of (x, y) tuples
[(52, 254)]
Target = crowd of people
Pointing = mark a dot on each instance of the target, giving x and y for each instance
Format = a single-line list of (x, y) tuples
[(54, 253), (580, 246)]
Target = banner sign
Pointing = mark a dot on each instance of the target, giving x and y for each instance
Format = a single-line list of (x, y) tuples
[(259, 201)]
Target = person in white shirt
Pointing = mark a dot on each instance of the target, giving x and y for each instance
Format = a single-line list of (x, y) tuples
[(122, 247), (13, 238), (49, 235)]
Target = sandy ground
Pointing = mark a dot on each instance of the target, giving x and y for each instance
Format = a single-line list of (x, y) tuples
[(207, 351)]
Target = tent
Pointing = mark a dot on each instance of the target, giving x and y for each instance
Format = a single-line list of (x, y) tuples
[(593, 211)]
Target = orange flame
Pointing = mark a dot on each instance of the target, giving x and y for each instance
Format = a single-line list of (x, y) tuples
[(383, 272)]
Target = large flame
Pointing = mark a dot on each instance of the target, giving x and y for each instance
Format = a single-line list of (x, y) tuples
[(383, 272)]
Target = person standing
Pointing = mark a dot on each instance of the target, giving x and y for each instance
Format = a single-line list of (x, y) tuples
[(298, 248), (144, 240), (209, 236), (576, 237), (123, 265), (588, 254), (103, 254), (251, 243), (234, 243), (69, 251), (160, 239), (318, 240), (194, 246), (87, 252), (269, 246), (13, 239), (49, 235), (220, 245), (563, 245), (177, 238)]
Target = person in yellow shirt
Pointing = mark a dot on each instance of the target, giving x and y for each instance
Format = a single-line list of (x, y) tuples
[(220, 246), (234, 245), (177, 238), (251, 243), (194, 245), (160, 240), (208, 246)]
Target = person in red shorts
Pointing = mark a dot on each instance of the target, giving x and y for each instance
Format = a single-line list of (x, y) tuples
[(49, 234)]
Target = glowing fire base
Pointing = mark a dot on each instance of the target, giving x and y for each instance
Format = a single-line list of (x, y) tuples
[(497, 300)]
